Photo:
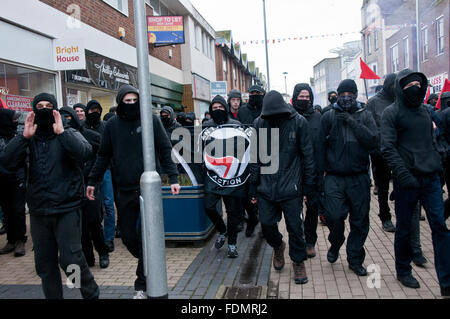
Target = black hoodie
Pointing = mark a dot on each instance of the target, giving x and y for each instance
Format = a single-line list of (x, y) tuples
[(380, 101), (296, 171), (313, 118), (444, 118), (221, 100), (407, 136), (98, 127), (122, 143), (173, 124)]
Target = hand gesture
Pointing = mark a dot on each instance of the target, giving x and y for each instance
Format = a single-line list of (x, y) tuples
[(175, 188), (90, 192), (58, 127), (30, 127)]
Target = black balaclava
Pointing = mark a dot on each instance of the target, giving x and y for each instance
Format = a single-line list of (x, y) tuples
[(412, 95), (275, 110), (93, 118), (333, 99), (8, 127), (302, 106), (256, 100), (219, 116), (129, 112), (348, 103), (165, 119), (44, 117)]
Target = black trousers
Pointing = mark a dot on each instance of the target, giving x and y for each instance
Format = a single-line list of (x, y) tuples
[(252, 211), (60, 234), (382, 177), (12, 202), (311, 218), (348, 195), (234, 214), (128, 213), (92, 228), (270, 215)]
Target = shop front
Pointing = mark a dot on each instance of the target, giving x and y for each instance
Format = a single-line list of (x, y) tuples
[(104, 76)]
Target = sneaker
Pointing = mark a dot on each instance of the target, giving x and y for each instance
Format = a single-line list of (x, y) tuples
[(300, 273), (19, 249), (278, 256), (388, 226), (358, 269), (140, 294), (409, 281), (9, 248), (332, 255), (232, 251), (420, 261), (220, 241), (104, 261), (310, 252)]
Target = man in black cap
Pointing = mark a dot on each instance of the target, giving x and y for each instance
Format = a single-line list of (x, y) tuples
[(234, 103), (432, 100), (303, 100), (348, 134), (122, 143), (54, 194), (282, 190), (408, 143), (12, 190), (81, 111), (381, 172), (249, 112), (167, 116)]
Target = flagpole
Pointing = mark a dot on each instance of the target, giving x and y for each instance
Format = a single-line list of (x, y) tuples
[(365, 86)]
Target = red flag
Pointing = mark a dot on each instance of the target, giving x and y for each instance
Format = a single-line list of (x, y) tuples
[(446, 88), (366, 72), (428, 94), (2, 104)]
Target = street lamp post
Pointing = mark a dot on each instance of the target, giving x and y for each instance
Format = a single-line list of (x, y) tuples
[(152, 222), (265, 41), (285, 82)]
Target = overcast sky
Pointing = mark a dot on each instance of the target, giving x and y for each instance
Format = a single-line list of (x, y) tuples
[(286, 19)]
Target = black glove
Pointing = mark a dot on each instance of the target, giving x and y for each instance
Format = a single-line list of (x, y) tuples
[(308, 189), (346, 118), (408, 181)]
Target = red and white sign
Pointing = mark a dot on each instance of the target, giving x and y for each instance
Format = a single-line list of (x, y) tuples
[(68, 54), (437, 82), (19, 103)]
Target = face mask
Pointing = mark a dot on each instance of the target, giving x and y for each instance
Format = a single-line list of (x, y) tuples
[(44, 120), (165, 120), (93, 119), (219, 116), (302, 105), (347, 103), (256, 100), (129, 112), (411, 96), (433, 103), (333, 99)]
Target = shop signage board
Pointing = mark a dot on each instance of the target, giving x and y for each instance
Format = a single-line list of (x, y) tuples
[(219, 88), (103, 72), (165, 30), (437, 82), (68, 54), (18, 103)]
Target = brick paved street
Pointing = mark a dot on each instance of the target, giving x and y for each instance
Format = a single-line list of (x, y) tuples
[(203, 272)]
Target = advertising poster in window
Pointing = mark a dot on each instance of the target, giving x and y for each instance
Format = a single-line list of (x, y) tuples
[(165, 30)]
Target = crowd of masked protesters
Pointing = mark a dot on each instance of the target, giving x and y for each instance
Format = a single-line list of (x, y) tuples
[(73, 171)]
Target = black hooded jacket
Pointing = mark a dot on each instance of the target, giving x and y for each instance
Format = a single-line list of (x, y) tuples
[(122, 143), (173, 123), (313, 118), (100, 126), (378, 103), (92, 136), (55, 177), (8, 129), (444, 116), (295, 175), (248, 113), (345, 147), (216, 182), (407, 136)]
